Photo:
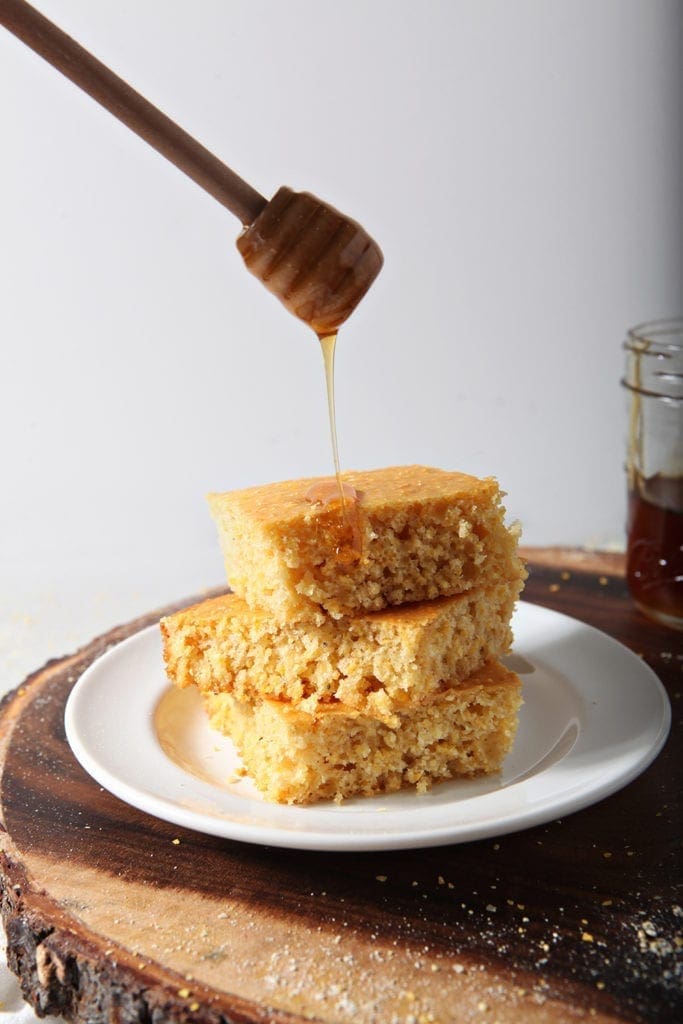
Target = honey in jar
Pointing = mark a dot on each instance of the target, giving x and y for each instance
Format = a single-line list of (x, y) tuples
[(654, 566)]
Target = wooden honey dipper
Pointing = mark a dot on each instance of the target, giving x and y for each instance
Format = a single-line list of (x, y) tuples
[(317, 261)]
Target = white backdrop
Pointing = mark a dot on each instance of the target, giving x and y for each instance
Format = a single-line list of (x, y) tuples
[(520, 163)]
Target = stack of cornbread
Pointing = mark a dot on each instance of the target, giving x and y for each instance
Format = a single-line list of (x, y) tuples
[(358, 652)]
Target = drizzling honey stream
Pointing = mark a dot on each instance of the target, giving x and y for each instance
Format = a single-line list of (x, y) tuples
[(328, 344), (349, 534)]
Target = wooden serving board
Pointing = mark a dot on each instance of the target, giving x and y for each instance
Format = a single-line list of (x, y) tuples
[(112, 915)]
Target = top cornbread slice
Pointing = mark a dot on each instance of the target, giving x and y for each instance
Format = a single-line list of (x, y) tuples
[(424, 533)]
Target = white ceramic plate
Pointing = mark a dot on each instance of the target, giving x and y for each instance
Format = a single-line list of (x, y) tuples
[(594, 717)]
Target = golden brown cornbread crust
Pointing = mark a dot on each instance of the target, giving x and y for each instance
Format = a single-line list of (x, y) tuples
[(295, 757), (377, 662), (426, 533)]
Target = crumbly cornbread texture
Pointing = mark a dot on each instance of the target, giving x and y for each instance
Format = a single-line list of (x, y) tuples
[(424, 533), (377, 662), (295, 757)]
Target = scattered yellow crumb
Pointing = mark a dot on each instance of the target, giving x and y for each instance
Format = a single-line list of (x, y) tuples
[(176, 842), (586, 937), (603, 581), (183, 993), (554, 587), (565, 575), (194, 1007), (381, 878)]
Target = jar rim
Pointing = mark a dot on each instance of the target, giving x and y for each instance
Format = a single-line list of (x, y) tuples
[(656, 336)]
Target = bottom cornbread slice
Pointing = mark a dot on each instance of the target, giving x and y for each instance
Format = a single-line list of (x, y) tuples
[(294, 756)]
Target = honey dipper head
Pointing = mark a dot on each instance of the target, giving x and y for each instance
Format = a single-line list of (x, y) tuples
[(318, 262)]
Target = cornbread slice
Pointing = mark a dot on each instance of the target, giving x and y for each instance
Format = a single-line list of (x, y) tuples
[(375, 662), (295, 757), (423, 533)]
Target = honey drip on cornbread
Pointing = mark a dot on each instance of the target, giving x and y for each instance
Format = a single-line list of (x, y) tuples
[(335, 493)]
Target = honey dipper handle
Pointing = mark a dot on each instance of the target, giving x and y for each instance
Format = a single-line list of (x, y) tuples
[(65, 54)]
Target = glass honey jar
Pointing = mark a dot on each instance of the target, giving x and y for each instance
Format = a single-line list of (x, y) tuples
[(653, 381)]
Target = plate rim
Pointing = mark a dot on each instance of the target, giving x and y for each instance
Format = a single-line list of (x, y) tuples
[(347, 839)]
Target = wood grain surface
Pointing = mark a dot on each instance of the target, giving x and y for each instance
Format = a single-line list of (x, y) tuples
[(112, 915)]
